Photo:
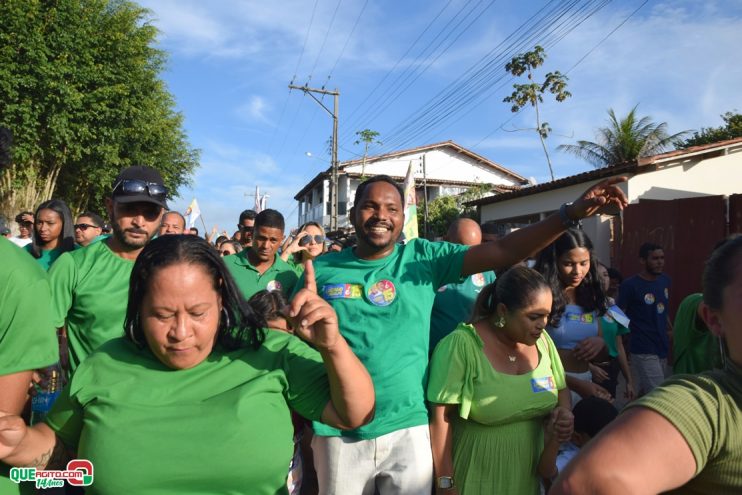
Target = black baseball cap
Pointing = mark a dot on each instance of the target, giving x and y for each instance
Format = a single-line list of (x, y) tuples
[(140, 184)]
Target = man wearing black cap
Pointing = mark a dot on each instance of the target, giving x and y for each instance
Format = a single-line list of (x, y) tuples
[(90, 286)]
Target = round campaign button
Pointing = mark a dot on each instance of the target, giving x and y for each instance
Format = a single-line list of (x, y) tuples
[(478, 279), (649, 298), (382, 293), (273, 285)]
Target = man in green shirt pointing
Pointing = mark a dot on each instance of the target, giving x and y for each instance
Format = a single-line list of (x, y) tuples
[(90, 286), (383, 293)]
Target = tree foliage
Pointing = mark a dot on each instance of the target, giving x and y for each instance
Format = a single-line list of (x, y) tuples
[(624, 140), (80, 86), (532, 93), (731, 129), (367, 137), (443, 210)]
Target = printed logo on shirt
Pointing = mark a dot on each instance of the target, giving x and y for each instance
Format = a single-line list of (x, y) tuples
[(649, 298), (478, 279), (543, 384), (660, 308), (79, 472), (382, 293), (582, 318), (341, 291), (667, 293), (273, 285)]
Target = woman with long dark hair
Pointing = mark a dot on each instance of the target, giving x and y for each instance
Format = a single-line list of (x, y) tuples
[(492, 384), (568, 265), (196, 397), (54, 232)]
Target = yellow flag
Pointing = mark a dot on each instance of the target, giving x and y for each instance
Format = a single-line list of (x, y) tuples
[(410, 207)]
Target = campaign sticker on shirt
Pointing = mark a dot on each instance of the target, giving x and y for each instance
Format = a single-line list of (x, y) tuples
[(341, 291), (649, 298), (543, 384), (582, 318), (478, 279), (382, 293), (660, 308), (273, 285)]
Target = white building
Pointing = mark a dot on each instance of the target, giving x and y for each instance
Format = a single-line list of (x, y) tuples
[(708, 170), (449, 169)]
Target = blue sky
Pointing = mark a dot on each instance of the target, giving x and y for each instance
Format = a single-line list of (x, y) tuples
[(230, 63)]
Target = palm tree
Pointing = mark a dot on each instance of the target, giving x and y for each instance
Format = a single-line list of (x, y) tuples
[(624, 140)]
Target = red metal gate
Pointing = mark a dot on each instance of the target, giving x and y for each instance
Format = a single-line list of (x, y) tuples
[(686, 228)]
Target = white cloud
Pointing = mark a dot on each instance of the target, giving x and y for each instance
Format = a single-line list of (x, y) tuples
[(254, 110)]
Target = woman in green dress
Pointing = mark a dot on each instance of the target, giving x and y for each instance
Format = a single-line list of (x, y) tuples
[(499, 402)]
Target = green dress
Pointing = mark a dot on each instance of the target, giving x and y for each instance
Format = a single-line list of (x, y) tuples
[(498, 435)]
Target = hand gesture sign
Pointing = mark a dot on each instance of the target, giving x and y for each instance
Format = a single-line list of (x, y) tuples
[(599, 197), (313, 319)]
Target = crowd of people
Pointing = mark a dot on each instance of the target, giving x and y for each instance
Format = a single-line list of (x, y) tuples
[(264, 363)]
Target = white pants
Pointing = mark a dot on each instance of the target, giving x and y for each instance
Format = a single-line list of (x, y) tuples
[(400, 462)]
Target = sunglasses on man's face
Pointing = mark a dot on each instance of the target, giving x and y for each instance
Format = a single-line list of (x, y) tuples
[(130, 187), (85, 226), (306, 240)]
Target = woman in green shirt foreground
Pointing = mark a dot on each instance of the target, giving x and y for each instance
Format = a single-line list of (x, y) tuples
[(196, 397), (685, 435)]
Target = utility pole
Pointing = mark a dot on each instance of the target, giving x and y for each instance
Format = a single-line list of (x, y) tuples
[(425, 194), (334, 174)]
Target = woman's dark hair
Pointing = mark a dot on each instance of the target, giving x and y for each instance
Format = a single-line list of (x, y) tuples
[(589, 294), (238, 323), (67, 236), (268, 304), (720, 271), (514, 288), (220, 240)]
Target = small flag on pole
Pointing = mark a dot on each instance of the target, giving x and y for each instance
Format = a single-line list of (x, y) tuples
[(192, 213), (410, 207), (258, 203)]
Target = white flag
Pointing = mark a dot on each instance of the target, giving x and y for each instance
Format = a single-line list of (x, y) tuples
[(258, 203), (192, 213)]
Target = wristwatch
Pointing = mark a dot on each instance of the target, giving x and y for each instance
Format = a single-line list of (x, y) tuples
[(566, 221), (444, 482)]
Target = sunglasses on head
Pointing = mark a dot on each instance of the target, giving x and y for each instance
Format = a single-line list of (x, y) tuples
[(318, 239), (85, 226), (135, 186)]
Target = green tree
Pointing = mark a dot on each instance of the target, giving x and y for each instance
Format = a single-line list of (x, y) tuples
[(532, 93), (624, 140), (443, 210), (367, 137), (80, 89), (731, 129)]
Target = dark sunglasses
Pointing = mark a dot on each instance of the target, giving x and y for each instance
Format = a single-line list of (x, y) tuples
[(318, 239), (136, 186), (85, 226)]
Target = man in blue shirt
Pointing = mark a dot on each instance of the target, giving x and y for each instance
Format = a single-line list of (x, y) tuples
[(644, 298)]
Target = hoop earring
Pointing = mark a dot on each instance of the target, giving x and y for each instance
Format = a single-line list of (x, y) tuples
[(722, 352), (130, 330)]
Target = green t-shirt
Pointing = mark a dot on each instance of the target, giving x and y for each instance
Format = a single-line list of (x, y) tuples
[(695, 349), (454, 304), (223, 426), (280, 276), (28, 339), (705, 409), (613, 324), (383, 307), (90, 291), (47, 258)]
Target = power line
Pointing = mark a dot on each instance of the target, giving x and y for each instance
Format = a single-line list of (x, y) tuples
[(347, 40), (324, 41)]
